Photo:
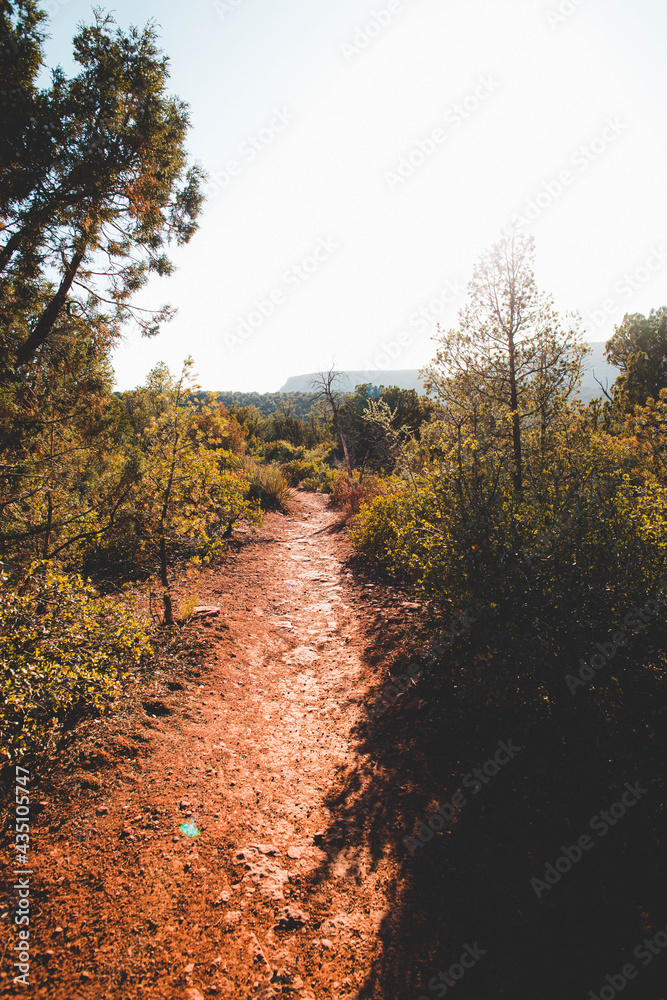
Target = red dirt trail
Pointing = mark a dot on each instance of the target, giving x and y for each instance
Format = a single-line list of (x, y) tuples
[(276, 896)]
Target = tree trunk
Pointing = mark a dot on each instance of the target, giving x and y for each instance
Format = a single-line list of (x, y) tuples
[(516, 421), (164, 576), (48, 318), (49, 522), (164, 579), (344, 444)]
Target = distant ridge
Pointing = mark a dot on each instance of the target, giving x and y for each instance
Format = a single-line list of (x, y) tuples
[(597, 367), (404, 378), (408, 378)]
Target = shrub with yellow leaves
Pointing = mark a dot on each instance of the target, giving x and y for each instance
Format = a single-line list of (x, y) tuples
[(63, 653)]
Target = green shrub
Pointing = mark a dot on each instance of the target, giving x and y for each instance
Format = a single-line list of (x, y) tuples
[(281, 451), (310, 475), (387, 527), (323, 482), (63, 653), (547, 577), (268, 486), (297, 470)]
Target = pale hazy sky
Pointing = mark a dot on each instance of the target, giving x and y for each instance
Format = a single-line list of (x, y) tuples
[(379, 148)]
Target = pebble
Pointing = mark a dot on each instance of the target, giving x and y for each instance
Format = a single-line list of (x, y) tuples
[(291, 917), (266, 848), (257, 952)]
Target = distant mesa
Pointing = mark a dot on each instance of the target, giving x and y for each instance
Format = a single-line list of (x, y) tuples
[(408, 378)]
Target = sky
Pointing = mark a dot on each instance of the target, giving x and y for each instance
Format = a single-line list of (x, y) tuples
[(361, 156)]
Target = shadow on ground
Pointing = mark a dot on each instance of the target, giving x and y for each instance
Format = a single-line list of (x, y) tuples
[(467, 890)]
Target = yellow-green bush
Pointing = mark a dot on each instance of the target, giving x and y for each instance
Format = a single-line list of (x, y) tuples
[(282, 451), (297, 470), (570, 555), (310, 474), (400, 524), (323, 482), (63, 652), (267, 486)]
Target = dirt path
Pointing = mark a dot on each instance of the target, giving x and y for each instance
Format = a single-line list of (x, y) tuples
[(243, 834), (223, 857)]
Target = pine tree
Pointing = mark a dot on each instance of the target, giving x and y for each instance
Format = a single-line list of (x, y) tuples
[(95, 181), (511, 364)]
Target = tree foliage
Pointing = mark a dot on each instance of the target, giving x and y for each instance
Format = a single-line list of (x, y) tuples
[(549, 551), (95, 183), (512, 364), (639, 349), (186, 497)]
